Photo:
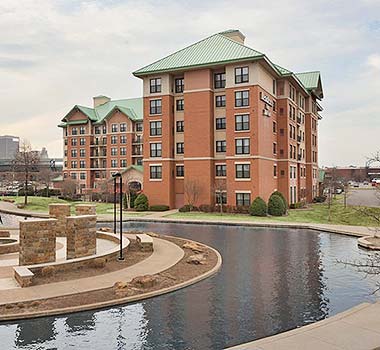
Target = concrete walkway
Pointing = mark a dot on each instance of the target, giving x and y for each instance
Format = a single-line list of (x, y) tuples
[(356, 329), (165, 255)]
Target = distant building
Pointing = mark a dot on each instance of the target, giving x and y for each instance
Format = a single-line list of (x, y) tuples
[(353, 173), (8, 146)]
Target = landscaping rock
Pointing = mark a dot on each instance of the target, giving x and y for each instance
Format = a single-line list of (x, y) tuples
[(151, 234), (106, 229), (147, 281), (120, 285), (197, 259), (196, 248)]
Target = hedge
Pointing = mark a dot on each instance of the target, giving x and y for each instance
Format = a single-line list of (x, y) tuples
[(141, 202), (278, 193), (276, 206), (258, 207), (159, 207)]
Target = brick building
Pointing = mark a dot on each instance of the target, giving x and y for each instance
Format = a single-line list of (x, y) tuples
[(102, 140), (218, 110)]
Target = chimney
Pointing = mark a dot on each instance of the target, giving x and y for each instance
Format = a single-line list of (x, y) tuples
[(100, 100), (235, 35)]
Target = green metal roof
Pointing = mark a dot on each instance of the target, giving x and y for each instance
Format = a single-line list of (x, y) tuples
[(309, 79), (139, 168), (215, 49), (132, 107)]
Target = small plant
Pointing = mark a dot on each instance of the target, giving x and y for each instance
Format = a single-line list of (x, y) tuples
[(258, 207), (276, 206), (141, 202), (187, 208), (159, 207)]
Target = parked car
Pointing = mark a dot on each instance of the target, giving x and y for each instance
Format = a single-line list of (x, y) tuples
[(355, 184), (365, 183), (338, 190)]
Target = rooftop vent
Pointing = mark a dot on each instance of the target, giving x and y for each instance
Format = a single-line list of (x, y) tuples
[(235, 35)]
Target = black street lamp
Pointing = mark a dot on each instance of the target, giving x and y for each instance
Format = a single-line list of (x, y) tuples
[(115, 176)]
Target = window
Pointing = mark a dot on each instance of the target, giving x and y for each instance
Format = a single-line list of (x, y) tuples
[(82, 153), (82, 164), (113, 163), (179, 105), (155, 128), (241, 98), (73, 152), (113, 140), (274, 87), (241, 122), (155, 85), (123, 151), (241, 75), (155, 106), (180, 171), (97, 130), (74, 164), (243, 199), (180, 148), (274, 148), (74, 131), (221, 146), (179, 85), (220, 123), (123, 163), (82, 141), (156, 172), (114, 128), (82, 176), (82, 130), (104, 129), (180, 125), (220, 101), (113, 151), (104, 140), (242, 146), (221, 170), (242, 171), (139, 127), (73, 176), (221, 197), (123, 139), (274, 127), (220, 80), (74, 142), (156, 149), (123, 127), (275, 170)]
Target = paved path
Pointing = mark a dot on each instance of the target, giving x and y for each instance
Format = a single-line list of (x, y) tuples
[(355, 329), (165, 255), (364, 197)]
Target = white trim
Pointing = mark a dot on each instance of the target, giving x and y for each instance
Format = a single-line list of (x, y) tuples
[(243, 162), (156, 164), (242, 191), (242, 179), (197, 90)]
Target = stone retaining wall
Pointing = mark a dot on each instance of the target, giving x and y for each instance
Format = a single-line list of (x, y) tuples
[(60, 212), (85, 209), (37, 241), (81, 236)]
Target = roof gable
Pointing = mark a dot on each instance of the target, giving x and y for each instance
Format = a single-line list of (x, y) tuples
[(312, 82)]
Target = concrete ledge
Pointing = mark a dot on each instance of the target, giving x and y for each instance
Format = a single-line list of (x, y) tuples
[(23, 276), (365, 242), (145, 242), (4, 233), (9, 245)]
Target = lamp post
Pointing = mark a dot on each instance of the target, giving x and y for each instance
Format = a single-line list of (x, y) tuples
[(115, 176)]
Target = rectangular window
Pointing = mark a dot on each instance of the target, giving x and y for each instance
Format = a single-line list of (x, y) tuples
[(274, 148), (274, 87), (221, 170), (242, 146), (180, 124), (274, 127), (220, 123), (82, 153), (180, 171), (113, 151), (139, 127), (179, 85), (82, 164), (104, 129), (242, 171), (220, 101), (220, 80), (113, 140), (74, 131), (156, 172), (156, 128), (156, 149), (82, 141), (180, 147), (74, 142), (155, 85), (82, 130), (221, 146), (155, 106), (123, 139), (82, 176), (123, 151), (74, 164), (275, 170), (241, 75), (73, 152), (221, 197), (241, 122), (179, 105), (113, 163), (123, 163), (114, 127), (73, 176), (243, 199), (123, 127), (97, 130), (241, 98)]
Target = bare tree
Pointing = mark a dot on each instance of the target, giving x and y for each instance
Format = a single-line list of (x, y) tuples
[(220, 187), (45, 176), (25, 162), (69, 187), (192, 191)]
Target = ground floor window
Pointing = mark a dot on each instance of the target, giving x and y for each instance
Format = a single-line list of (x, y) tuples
[(156, 172), (221, 197), (180, 171), (243, 199)]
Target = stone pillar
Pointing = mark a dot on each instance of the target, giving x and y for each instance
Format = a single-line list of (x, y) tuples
[(85, 209), (60, 212), (81, 236), (37, 241)]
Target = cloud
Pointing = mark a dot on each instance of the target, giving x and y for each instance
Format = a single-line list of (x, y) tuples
[(57, 53)]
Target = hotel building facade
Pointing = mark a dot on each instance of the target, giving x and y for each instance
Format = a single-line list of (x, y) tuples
[(218, 112)]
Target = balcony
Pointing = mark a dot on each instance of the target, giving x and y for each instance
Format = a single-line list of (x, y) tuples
[(299, 120), (137, 141), (299, 157), (299, 138)]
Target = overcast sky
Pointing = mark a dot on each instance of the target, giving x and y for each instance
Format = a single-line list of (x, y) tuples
[(58, 53)]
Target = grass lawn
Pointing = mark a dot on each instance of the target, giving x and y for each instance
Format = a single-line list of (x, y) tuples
[(316, 213), (41, 204)]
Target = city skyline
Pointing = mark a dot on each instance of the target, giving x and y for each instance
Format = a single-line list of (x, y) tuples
[(72, 61)]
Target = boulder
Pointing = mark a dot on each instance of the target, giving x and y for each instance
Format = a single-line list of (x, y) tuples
[(197, 259), (120, 285), (106, 229), (147, 281), (195, 247), (151, 234)]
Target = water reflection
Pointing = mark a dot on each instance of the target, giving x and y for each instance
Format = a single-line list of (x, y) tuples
[(272, 280)]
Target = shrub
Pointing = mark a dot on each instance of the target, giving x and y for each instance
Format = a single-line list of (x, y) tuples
[(276, 206), (258, 207), (278, 193), (297, 205), (141, 202), (159, 207), (187, 208), (205, 208), (241, 209), (319, 199)]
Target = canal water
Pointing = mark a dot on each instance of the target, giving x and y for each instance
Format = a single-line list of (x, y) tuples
[(272, 280)]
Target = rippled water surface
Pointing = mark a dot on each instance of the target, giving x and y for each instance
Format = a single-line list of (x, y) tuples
[(272, 280)]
